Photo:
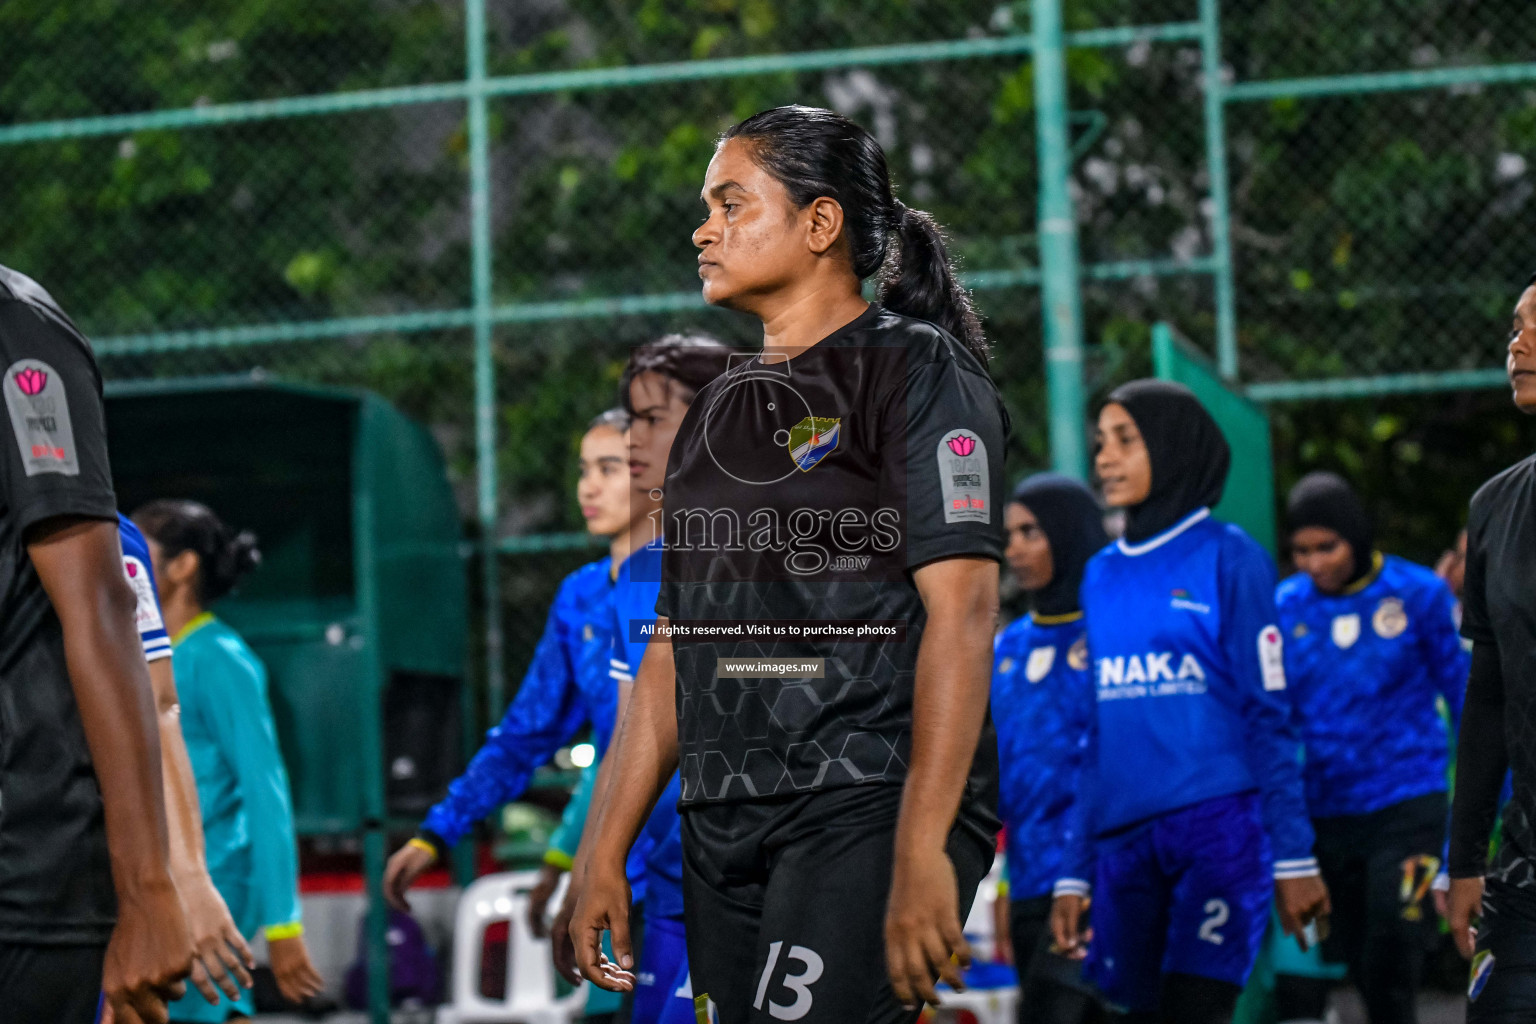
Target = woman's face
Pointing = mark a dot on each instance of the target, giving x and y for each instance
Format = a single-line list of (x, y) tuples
[(1325, 556), (754, 242), (658, 410), (604, 488), (172, 575), (1029, 550), (1122, 463), (1521, 362)]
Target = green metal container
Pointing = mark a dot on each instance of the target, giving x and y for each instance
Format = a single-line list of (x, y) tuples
[(358, 609)]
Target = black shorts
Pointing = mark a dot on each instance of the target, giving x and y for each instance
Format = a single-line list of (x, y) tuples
[(1503, 982), (785, 904), (1379, 868), (57, 984)]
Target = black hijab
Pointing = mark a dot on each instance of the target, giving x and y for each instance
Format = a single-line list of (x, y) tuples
[(1326, 499), (1189, 456), (1074, 524)]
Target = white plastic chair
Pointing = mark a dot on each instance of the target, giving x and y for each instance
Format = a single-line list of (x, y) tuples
[(530, 994)]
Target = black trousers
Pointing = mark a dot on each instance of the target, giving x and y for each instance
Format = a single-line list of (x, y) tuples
[(1503, 989), (52, 984), (785, 904), (1379, 868), (1051, 988)]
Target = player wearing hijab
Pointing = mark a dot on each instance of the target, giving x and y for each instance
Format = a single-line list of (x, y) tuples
[(1194, 793), (1370, 648), (850, 475), (566, 686), (1499, 617), (1042, 702)]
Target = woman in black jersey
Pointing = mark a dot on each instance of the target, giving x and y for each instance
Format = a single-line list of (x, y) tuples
[(1497, 734), (822, 663)]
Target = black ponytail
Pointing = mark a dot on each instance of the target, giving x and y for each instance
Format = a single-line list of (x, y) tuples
[(814, 153), (224, 558)]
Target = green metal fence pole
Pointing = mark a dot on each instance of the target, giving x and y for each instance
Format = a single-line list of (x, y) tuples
[(1059, 274), (485, 369), (1216, 167)]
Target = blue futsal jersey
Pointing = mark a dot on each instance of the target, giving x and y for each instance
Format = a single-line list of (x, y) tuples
[(1366, 668), (566, 686), (1189, 674), (1042, 701), (634, 608)]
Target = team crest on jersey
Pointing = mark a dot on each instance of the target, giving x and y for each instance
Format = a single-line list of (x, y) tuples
[(1039, 664), (1346, 630), (1077, 656), (1300, 630), (586, 632), (1390, 619), (812, 439), (1005, 666)]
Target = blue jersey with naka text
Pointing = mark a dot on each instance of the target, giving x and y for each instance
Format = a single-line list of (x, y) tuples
[(1365, 670), (1190, 684), (1042, 701)]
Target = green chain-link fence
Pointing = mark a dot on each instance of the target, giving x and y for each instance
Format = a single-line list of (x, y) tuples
[(309, 188)]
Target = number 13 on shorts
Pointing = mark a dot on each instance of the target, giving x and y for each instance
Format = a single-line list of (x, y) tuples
[(799, 984)]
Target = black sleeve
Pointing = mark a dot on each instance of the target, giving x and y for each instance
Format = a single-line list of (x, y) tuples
[(1481, 762), (943, 437), (54, 463), (1475, 622)]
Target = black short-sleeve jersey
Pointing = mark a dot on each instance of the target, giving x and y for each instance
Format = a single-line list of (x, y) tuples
[(800, 496), (1499, 608), (55, 876)]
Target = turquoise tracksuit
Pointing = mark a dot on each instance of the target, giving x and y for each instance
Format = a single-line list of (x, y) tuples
[(242, 787)]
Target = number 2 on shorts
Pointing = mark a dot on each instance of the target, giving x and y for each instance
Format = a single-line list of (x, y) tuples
[(800, 984), (1219, 914)]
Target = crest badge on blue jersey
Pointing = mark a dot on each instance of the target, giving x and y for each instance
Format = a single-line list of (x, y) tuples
[(813, 439)]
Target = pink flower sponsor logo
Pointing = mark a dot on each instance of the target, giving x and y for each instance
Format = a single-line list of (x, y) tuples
[(31, 381), (962, 445)]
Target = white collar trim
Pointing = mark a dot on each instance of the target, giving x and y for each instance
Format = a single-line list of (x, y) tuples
[(1167, 535)]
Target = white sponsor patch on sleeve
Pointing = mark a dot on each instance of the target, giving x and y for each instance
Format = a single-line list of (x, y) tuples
[(1272, 658), (963, 482), (148, 616), (34, 396)]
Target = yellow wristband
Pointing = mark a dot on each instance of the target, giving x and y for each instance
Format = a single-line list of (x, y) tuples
[(559, 859), (422, 844), (279, 932)]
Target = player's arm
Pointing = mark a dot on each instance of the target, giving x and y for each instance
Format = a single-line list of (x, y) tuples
[(646, 745), (949, 705), (1255, 652), (1481, 754), (240, 718), (1071, 892), (561, 855), (223, 957), (80, 564), (544, 715)]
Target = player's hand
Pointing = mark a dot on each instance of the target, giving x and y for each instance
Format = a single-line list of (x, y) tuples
[(295, 974), (561, 947), (1002, 935), (149, 953), (402, 871), (223, 961), (1070, 938), (1466, 905), (923, 937), (1299, 902), (539, 897), (602, 905)]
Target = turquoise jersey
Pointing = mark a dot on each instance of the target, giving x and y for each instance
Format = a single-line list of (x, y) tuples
[(242, 787)]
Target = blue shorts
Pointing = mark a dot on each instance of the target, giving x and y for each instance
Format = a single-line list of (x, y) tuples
[(1188, 892), (663, 993)]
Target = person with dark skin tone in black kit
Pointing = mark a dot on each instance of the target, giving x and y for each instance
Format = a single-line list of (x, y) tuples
[(1492, 912), (892, 817)]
